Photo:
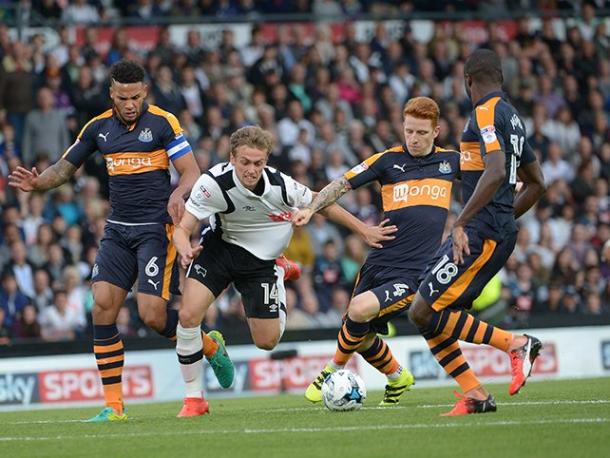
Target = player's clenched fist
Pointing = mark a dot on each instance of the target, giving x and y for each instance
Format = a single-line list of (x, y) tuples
[(302, 217)]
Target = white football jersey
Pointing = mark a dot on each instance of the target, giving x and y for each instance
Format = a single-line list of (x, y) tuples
[(260, 224)]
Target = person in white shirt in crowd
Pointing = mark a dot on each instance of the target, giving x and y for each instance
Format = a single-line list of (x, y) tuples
[(59, 321), (555, 167), (250, 207)]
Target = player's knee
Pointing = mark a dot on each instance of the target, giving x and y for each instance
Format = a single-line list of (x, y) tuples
[(266, 343), (419, 314), (102, 311), (361, 311), (154, 321), (188, 317)]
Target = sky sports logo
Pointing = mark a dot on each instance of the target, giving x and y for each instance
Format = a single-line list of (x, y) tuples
[(19, 389), (70, 385)]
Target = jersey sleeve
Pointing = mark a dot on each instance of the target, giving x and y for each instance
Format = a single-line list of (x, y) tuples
[(83, 147), (489, 129), (175, 143), (365, 172), (206, 198), (298, 194)]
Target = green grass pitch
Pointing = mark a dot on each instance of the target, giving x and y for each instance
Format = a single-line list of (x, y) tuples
[(548, 419)]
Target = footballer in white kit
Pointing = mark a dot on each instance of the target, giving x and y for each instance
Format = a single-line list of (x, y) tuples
[(250, 207), (250, 229)]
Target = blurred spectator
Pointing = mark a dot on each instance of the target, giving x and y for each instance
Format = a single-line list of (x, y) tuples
[(338, 307), (327, 274), (22, 269), (45, 130), (16, 87), (58, 321), (321, 231), (75, 295), (27, 326), (12, 300), (353, 258), (5, 332), (123, 323), (166, 93), (43, 294)]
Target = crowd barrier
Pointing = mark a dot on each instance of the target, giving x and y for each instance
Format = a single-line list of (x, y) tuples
[(153, 376)]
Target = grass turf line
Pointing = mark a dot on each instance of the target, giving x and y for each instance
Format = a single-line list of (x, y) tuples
[(559, 418)]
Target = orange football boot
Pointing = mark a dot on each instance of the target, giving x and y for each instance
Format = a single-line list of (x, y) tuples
[(466, 406), (194, 407), (521, 363), (292, 271)]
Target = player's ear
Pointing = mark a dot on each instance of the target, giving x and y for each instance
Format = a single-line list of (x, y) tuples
[(437, 130)]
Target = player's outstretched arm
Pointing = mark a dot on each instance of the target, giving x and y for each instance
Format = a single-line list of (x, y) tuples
[(372, 235), (30, 180), (327, 196), (533, 187), (182, 239)]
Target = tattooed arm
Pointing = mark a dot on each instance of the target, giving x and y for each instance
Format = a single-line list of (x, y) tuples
[(327, 196), (54, 176)]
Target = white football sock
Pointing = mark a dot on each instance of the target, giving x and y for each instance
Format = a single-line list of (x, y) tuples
[(189, 347), (394, 375)]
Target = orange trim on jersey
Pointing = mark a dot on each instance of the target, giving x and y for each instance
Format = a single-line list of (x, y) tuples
[(459, 286), (401, 304), (362, 166), (470, 157), (136, 162), (173, 121), (428, 191), (485, 116), (104, 115), (443, 150), (170, 258)]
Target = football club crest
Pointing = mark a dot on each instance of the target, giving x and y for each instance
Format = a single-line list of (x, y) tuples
[(444, 167), (145, 135)]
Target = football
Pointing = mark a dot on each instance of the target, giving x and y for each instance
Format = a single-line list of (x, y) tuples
[(343, 390)]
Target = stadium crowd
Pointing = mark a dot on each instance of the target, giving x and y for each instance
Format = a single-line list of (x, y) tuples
[(330, 104)]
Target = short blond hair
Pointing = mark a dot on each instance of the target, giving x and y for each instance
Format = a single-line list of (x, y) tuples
[(252, 136)]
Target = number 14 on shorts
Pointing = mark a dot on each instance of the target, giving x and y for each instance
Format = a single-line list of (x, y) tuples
[(270, 292)]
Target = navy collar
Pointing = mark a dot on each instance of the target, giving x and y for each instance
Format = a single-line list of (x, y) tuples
[(406, 151), (491, 95)]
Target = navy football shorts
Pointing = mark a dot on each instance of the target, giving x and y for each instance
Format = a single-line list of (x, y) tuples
[(445, 284), (394, 288), (144, 253)]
